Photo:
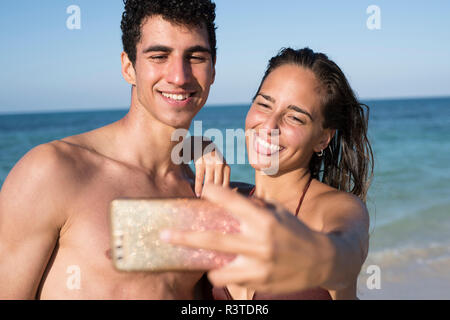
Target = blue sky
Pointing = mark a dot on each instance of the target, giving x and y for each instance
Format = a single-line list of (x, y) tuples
[(46, 66)]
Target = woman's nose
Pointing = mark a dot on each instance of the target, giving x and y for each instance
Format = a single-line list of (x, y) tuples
[(271, 124)]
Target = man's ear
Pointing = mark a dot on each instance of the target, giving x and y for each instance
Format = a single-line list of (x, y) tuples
[(214, 71), (327, 135), (128, 72)]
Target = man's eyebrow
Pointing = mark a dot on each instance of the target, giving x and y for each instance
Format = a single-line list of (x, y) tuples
[(198, 48), (298, 109), (157, 48), (162, 48)]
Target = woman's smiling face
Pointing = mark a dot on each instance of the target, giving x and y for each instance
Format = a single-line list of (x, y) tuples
[(289, 102)]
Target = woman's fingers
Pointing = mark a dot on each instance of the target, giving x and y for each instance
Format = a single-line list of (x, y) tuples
[(218, 173), (209, 175), (242, 271), (239, 206), (211, 168), (227, 243), (253, 275), (199, 177), (226, 176)]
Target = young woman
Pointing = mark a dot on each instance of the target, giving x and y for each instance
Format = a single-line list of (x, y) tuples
[(312, 240)]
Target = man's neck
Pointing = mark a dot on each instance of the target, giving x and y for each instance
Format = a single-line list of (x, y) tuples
[(141, 141)]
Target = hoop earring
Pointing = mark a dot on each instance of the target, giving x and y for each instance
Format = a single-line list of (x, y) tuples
[(320, 154)]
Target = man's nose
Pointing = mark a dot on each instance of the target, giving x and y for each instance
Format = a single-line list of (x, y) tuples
[(179, 72)]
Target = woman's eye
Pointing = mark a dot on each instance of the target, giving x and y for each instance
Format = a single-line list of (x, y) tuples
[(298, 120)]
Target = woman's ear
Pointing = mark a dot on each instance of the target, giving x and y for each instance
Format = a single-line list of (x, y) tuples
[(327, 135), (128, 72)]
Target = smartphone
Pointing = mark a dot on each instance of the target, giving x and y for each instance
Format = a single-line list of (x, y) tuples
[(136, 225)]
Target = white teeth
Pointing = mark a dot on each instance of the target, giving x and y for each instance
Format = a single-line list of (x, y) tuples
[(177, 97), (267, 145)]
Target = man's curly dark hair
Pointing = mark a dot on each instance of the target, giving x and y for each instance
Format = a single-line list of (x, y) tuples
[(198, 13)]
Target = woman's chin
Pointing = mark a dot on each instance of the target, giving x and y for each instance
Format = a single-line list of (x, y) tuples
[(268, 165)]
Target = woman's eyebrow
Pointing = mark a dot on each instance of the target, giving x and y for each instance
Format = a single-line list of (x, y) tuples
[(298, 109), (291, 107), (265, 96)]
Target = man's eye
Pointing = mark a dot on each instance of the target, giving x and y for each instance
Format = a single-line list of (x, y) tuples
[(264, 105), (158, 58), (197, 58)]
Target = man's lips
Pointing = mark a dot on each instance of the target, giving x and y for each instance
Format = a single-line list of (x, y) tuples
[(179, 98)]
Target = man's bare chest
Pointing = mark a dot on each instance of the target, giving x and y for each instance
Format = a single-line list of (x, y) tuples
[(85, 242)]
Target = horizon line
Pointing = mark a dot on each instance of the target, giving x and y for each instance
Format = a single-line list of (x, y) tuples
[(213, 105)]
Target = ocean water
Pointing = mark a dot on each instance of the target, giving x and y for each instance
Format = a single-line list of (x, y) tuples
[(409, 199)]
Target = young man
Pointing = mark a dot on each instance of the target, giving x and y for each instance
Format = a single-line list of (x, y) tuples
[(54, 228)]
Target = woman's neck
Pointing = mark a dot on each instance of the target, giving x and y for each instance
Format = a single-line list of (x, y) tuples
[(280, 187)]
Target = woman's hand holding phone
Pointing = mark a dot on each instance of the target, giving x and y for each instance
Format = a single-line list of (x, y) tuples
[(275, 251)]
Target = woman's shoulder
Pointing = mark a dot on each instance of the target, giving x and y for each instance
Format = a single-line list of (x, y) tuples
[(328, 195), (331, 202)]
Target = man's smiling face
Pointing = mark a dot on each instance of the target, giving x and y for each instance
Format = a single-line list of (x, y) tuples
[(173, 71)]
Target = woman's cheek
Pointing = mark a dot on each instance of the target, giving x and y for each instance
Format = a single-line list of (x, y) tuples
[(294, 138), (251, 119)]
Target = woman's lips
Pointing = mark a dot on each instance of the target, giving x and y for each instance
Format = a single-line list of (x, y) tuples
[(263, 147)]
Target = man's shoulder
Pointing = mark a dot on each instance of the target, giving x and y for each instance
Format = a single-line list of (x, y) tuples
[(51, 157), (46, 166), (40, 184)]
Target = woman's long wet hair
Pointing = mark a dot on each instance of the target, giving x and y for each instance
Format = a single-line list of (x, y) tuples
[(347, 163)]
